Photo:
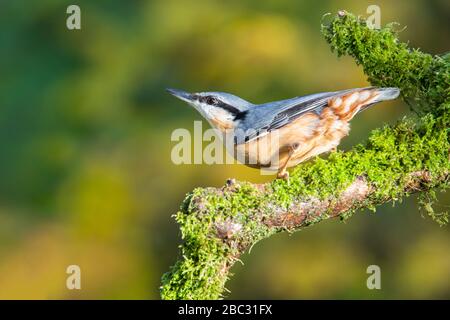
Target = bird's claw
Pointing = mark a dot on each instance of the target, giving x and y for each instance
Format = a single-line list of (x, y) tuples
[(283, 175)]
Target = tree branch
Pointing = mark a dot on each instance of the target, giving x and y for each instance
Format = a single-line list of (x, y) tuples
[(352, 198), (219, 224)]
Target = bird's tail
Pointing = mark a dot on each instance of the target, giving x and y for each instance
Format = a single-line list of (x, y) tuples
[(351, 102), (385, 94), (379, 95)]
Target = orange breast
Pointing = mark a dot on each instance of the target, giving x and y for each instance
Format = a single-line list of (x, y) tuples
[(221, 125), (311, 133), (328, 134)]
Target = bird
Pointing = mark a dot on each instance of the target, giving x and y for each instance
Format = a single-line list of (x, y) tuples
[(282, 134)]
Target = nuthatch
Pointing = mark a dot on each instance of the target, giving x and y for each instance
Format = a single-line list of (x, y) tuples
[(304, 127)]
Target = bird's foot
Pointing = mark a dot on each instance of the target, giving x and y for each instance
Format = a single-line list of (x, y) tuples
[(283, 175)]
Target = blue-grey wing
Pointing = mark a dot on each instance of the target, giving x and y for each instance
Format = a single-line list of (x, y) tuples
[(261, 119)]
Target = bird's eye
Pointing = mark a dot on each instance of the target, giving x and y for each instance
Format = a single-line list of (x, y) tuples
[(211, 100)]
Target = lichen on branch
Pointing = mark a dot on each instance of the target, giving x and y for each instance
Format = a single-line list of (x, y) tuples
[(219, 224)]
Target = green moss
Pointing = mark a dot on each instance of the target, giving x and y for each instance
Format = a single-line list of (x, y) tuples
[(387, 161), (423, 79)]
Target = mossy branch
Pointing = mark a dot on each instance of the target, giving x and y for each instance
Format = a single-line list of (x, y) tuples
[(219, 224)]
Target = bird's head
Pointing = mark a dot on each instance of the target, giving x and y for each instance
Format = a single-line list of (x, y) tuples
[(222, 110)]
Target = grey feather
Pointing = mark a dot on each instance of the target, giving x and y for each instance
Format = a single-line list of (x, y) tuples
[(261, 119)]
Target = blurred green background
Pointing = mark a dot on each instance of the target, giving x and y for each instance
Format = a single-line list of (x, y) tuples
[(85, 124)]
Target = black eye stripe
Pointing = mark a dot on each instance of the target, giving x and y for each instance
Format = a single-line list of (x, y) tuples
[(211, 100), (229, 108), (240, 116)]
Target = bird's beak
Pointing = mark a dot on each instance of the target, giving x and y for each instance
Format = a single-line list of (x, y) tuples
[(180, 94)]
